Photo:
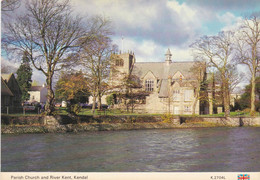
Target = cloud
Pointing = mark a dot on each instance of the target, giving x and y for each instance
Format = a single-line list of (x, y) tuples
[(227, 18), (164, 22), (220, 5), (8, 66), (14, 65), (149, 51)]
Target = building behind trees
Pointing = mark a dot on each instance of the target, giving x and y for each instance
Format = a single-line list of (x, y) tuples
[(169, 84)]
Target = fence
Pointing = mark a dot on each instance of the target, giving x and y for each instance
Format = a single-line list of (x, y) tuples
[(21, 110)]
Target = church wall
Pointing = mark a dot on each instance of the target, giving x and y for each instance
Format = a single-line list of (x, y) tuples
[(155, 103)]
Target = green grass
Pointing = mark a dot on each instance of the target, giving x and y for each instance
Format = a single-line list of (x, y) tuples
[(114, 112), (232, 114)]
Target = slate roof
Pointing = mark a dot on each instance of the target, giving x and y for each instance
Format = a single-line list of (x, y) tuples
[(161, 70), (164, 88), (36, 88), (5, 91)]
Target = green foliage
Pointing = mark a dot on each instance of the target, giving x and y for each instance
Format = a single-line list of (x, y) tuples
[(167, 118), (244, 101), (24, 77), (110, 99), (76, 108), (72, 87)]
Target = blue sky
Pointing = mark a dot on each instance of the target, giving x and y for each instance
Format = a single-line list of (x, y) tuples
[(150, 27)]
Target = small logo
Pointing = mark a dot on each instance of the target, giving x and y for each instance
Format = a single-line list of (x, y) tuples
[(243, 177)]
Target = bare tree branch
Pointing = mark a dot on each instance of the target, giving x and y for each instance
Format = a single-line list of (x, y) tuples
[(49, 34)]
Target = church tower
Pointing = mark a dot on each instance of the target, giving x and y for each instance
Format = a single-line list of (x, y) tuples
[(122, 65)]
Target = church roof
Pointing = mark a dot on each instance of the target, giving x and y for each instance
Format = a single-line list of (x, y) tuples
[(164, 88), (162, 70)]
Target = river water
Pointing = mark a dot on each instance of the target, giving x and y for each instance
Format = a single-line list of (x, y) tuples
[(174, 150)]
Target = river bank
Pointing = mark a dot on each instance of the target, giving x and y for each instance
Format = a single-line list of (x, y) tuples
[(63, 124)]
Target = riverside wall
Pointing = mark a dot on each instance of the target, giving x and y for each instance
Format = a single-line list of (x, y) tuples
[(61, 124)]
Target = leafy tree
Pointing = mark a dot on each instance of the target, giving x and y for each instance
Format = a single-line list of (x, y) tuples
[(72, 87), (24, 77), (35, 83), (245, 100), (110, 99)]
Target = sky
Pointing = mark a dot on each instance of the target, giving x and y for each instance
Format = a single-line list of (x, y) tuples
[(150, 27)]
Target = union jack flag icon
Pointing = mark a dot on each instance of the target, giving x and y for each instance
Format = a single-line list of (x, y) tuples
[(243, 177)]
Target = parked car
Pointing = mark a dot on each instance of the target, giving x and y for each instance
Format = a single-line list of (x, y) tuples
[(104, 106), (83, 105), (58, 105), (29, 107), (89, 106)]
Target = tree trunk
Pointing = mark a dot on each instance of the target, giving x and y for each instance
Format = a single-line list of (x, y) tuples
[(49, 107), (132, 100), (99, 103), (197, 94), (94, 104), (194, 106), (252, 109), (226, 96)]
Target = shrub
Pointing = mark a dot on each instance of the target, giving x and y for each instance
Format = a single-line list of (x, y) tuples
[(167, 118), (76, 108)]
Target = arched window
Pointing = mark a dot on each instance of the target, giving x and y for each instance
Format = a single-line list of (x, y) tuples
[(149, 85), (119, 62)]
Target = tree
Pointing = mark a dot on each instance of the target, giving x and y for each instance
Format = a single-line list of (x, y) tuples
[(72, 87), (132, 92), (49, 34), (10, 5), (95, 59), (24, 77), (248, 51), (199, 74), (217, 51), (245, 100)]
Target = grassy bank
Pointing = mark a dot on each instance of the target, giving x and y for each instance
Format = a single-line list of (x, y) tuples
[(116, 112)]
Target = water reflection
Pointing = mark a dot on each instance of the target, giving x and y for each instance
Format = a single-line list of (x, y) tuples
[(182, 150)]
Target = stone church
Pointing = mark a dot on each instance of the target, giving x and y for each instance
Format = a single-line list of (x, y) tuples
[(170, 84)]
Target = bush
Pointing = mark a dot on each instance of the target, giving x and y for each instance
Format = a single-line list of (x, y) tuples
[(167, 118), (110, 99), (76, 108)]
